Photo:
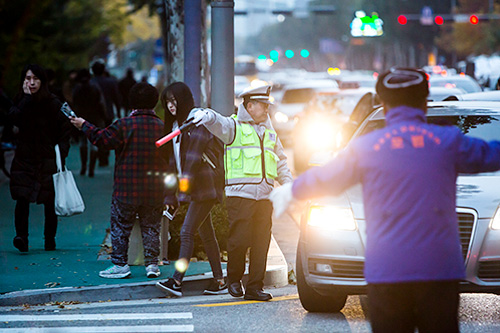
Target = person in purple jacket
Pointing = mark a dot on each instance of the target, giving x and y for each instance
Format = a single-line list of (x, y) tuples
[(408, 171)]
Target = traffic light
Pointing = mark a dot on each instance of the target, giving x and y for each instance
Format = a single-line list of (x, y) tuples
[(402, 19), (474, 19), (274, 55), (304, 53), (438, 20), (289, 54)]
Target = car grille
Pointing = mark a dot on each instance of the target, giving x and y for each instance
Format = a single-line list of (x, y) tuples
[(466, 227), (489, 270), (354, 269), (339, 268)]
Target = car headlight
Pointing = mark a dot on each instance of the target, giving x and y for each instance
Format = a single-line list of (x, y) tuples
[(281, 117), (320, 135), (331, 218), (495, 221)]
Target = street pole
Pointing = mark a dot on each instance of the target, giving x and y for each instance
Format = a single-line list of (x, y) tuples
[(192, 47), (222, 69)]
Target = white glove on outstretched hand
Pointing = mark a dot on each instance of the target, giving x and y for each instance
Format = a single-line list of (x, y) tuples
[(281, 198), (202, 116)]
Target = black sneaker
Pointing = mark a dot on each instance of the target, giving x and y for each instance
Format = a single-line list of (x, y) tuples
[(171, 287), (21, 243), (216, 288)]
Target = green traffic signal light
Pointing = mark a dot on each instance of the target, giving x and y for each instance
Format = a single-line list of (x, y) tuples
[(289, 54), (274, 55), (304, 53)]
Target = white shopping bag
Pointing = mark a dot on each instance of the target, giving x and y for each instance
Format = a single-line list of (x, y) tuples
[(68, 200)]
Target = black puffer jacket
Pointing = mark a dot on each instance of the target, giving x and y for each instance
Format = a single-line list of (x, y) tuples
[(41, 126)]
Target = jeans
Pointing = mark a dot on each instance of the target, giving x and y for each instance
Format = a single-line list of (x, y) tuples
[(198, 218)]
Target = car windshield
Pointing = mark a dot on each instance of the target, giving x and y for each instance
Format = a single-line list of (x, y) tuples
[(297, 96), (479, 126), (344, 103)]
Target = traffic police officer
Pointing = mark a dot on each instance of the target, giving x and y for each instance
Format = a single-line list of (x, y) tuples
[(408, 170), (254, 159)]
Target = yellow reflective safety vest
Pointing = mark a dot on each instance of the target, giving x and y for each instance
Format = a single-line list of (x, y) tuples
[(250, 159)]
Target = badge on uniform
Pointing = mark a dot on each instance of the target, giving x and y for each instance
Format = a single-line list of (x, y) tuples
[(272, 137)]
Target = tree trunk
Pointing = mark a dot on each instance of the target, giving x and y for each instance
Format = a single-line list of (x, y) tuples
[(205, 69), (173, 37)]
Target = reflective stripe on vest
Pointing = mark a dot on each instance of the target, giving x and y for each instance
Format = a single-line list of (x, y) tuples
[(248, 155)]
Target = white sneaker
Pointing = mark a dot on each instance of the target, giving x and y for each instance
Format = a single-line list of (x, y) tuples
[(115, 272), (152, 271)]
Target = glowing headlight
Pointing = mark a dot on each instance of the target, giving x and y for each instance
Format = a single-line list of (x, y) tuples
[(331, 218), (281, 117), (495, 222), (320, 135)]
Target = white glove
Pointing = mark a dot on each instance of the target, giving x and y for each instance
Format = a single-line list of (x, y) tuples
[(281, 198), (202, 116)]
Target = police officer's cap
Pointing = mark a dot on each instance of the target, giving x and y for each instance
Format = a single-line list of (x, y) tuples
[(259, 94), (399, 85)]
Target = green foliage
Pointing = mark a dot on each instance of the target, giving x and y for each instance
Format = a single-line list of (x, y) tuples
[(58, 34), (219, 221)]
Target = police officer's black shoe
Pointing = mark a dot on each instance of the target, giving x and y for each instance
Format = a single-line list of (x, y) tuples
[(235, 289), (257, 295)]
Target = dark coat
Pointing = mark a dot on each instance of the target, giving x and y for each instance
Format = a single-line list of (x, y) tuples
[(88, 103), (41, 126), (205, 182), (109, 89)]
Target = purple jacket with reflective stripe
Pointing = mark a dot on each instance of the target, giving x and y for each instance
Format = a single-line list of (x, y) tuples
[(408, 171)]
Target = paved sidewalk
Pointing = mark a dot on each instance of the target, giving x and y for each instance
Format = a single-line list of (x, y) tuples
[(71, 272)]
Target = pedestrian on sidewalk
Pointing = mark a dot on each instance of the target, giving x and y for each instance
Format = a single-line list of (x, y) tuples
[(88, 103), (254, 160), (197, 156), (408, 171), (42, 125), (138, 188)]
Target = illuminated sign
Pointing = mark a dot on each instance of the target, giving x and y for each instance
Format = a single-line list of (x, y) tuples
[(366, 26)]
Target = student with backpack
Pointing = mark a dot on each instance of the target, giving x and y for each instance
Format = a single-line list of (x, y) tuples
[(195, 155)]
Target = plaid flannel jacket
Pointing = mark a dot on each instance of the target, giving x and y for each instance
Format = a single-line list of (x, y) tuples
[(140, 167)]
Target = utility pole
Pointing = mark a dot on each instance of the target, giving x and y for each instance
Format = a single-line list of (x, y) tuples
[(222, 69), (192, 47)]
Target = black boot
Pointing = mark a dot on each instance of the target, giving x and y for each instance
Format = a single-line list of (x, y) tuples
[(50, 244), (93, 159), (83, 158)]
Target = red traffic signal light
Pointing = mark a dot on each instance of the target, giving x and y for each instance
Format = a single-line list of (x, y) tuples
[(402, 19), (474, 19), (438, 20)]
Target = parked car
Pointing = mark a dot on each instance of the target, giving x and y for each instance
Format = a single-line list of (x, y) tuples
[(331, 247), (295, 97), (318, 127)]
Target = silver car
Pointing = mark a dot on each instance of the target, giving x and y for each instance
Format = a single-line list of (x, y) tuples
[(331, 248)]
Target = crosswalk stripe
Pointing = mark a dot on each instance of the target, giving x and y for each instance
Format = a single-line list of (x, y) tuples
[(276, 299), (97, 316), (102, 329)]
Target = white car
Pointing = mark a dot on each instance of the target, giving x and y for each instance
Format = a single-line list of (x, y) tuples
[(331, 248), (294, 99)]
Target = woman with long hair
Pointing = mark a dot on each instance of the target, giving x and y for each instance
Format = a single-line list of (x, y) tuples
[(187, 156), (42, 125)]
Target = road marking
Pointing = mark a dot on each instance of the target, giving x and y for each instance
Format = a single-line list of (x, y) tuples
[(276, 299), (97, 316), (102, 329)]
